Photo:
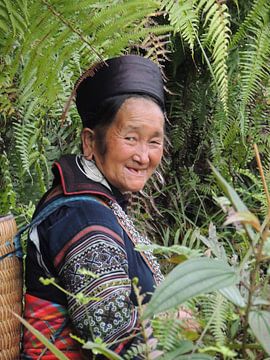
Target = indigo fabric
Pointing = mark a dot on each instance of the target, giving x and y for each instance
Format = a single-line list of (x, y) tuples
[(86, 236)]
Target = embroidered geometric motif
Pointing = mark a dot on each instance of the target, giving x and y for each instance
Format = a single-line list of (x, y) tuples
[(113, 314)]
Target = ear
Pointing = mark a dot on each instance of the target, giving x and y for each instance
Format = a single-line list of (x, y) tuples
[(87, 143)]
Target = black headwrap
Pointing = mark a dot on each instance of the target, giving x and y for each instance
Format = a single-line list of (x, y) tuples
[(128, 74)]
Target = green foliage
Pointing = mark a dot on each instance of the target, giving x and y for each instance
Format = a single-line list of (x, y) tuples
[(57, 32), (168, 335), (45, 47), (217, 38), (216, 310), (183, 15), (13, 18), (218, 105), (259, 322), (189, 279), (254, 65), (7, 197)]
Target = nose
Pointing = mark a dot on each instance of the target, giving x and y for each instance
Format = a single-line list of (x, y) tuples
[(141, 154)]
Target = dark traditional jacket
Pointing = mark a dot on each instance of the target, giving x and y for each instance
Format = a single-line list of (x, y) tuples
[(76, 240)]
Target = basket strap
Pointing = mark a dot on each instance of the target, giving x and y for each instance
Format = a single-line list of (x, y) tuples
[(44, 213)]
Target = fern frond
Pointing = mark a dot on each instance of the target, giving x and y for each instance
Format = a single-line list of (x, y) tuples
[(135, 351), (75, 6), (13, 15), (167, 331), (7, 194), (183, 15), (217, 37), (115, 11), (25, 135), (258, 11), (133, 38), (89, 29), (157, 48), (123, 21), (254, 66), (216, 304)]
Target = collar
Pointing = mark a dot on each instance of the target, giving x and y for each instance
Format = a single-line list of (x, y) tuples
[(74, 182)]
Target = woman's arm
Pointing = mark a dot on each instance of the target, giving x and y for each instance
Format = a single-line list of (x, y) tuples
[(97, 248)]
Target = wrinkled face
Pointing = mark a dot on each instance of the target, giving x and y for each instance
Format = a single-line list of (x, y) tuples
[(134, 145)]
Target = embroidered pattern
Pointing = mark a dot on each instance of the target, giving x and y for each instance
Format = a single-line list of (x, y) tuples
[(113, 314), (137, 239)]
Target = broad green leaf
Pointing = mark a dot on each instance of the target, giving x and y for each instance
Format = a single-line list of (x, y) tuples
[(259, 321), (42, 338), (235, 199), (233, 294), (191, 278)]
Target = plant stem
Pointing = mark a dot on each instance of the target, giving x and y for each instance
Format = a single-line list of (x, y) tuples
[(264, 230), (259, 163)]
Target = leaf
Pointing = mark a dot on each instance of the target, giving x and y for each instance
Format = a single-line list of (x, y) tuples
[(259, 321), (244, 217), (186, 346), (213, 244), (42, 338), (169, 250), (101, 349), (191, 278), (233, 294), (235, 199)]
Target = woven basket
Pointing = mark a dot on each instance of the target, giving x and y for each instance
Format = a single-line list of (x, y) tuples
[(10, 291)]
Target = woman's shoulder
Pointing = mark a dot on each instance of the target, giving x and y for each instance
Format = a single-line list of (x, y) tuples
[(77, 213)]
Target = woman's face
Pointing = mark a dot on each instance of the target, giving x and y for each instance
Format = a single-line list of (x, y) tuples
[(134, 145)]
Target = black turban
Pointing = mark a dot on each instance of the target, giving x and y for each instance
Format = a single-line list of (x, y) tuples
[(129, 74)]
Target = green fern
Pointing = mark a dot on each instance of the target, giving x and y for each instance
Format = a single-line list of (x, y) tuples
[(131, 38), (217, 38), (254, 67), (13, 15), (216, 310), (167, 331), (26, 138), (23, 135), (94, 29), (258, 11), (134, 351), (183, 15), (7, 194)]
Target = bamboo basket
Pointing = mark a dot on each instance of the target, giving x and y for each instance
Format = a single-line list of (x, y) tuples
[(10, 291)]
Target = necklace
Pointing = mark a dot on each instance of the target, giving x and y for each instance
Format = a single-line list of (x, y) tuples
[(90, 170), (137, 239)]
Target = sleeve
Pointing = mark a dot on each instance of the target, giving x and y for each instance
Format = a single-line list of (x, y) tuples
[(99, 249)]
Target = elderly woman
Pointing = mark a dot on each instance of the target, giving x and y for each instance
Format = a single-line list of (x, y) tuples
[(82, 226)]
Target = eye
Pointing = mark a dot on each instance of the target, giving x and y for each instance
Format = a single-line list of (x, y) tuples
[(130, 138), (156, 142)]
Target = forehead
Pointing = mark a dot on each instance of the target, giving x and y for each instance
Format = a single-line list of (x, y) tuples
[(139, 113)]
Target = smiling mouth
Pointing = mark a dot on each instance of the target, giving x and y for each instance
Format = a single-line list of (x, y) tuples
[(140, 172)]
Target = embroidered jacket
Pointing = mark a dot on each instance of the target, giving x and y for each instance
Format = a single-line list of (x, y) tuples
[(78, 237)]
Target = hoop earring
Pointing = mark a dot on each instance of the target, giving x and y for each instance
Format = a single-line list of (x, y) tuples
[(90, 169)]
